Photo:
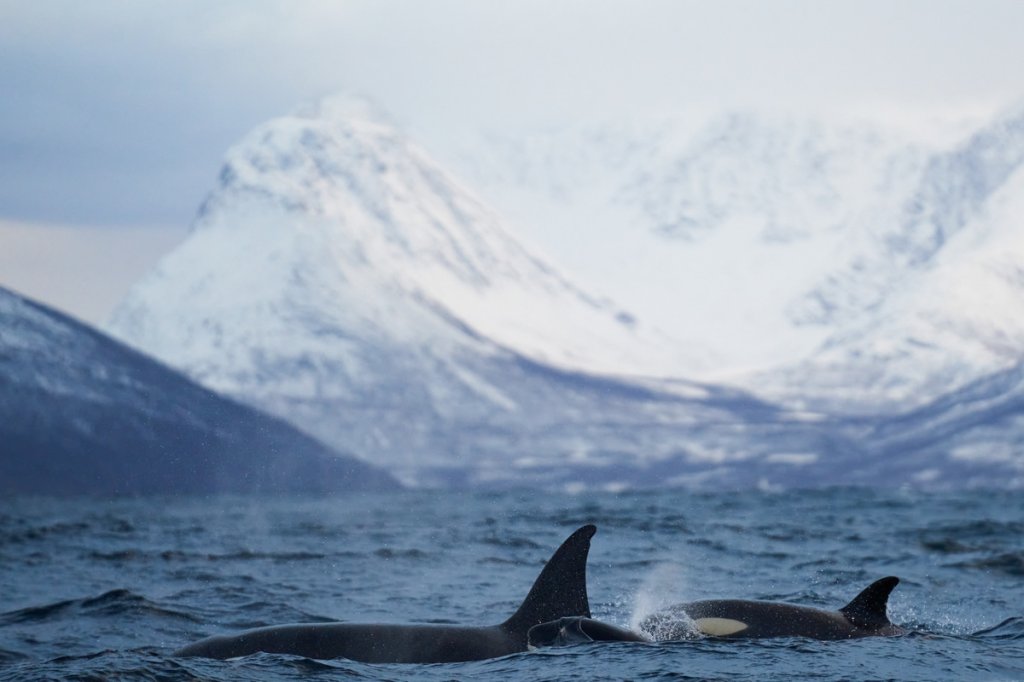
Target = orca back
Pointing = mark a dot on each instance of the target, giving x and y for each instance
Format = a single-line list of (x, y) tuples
[(559, 590)]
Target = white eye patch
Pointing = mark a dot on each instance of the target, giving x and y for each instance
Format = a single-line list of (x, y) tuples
[(720, 627)]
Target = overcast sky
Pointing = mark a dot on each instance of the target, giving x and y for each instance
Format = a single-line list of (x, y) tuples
[(117, 113)]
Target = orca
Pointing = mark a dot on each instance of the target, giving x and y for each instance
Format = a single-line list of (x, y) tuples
[(865, 616), (560, 590), (578, 630)]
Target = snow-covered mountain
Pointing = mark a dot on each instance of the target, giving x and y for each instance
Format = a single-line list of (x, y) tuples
[(830, 263), (717, 230), (950, 302), (966, 435), (316, 210), (340, 278), (82, 414)]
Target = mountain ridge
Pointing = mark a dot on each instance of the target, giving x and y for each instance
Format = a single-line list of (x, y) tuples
[(338, 277), (797, 232), (83, 414)]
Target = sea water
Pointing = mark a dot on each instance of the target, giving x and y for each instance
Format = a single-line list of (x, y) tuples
[(108, 589)]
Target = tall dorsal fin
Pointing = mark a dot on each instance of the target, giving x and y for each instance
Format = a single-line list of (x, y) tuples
[(560, 589), (868, 609)]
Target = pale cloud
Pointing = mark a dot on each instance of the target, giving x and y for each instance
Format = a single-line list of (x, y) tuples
[(81, 270), (169, 84), (119, 112)]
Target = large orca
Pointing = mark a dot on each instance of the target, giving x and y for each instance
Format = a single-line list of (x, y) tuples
[(865, 616), (559, 590)]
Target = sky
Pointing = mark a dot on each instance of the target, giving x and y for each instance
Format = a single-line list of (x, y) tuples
[(115, 114)]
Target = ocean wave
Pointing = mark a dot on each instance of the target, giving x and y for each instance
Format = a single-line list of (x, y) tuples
[(1010, 563), (1011, 629), (112, 603)]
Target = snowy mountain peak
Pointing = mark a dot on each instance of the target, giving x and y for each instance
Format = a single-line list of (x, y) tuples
[(336, 261), (386, 205), (334, 203)]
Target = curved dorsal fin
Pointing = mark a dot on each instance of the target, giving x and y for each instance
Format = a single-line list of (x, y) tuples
[(868, 609), (560, 589)]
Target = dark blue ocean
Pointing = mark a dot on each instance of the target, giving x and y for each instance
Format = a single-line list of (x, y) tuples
[(107, 589)]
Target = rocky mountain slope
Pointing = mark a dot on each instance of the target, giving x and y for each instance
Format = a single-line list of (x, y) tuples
[(82, 414)]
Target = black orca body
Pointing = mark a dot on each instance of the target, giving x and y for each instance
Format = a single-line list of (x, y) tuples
[(579, 630), (560, 590), (865, 616)]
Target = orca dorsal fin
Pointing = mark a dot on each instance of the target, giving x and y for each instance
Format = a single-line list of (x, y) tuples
[(560, 589), (868, 609)]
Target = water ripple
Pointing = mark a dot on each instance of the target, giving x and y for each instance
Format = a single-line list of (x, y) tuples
[(161, 573)]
